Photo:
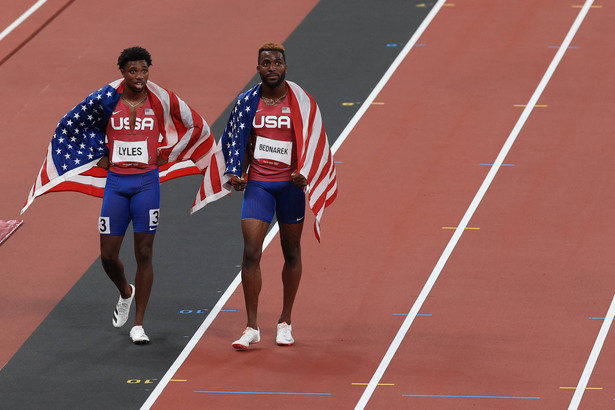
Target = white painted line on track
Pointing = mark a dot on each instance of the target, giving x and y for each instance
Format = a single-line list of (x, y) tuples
[(342, 137), (403, 330), (414, 311), (21, 18), (387, 76), (201, 330), (593, 357)]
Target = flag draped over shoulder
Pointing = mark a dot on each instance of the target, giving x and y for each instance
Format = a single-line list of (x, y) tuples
[(79, 142), (315, 161)]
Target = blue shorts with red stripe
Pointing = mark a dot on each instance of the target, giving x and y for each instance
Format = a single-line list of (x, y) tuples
[(262, 200), (130, 197)]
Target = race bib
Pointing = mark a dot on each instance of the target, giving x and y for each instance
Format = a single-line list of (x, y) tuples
[(269, 150), (130, 152)]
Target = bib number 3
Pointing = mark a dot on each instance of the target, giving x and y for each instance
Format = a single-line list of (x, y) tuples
[(103, 225), (154, 215)]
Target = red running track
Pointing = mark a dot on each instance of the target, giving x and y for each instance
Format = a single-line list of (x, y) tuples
[(507, 324), (510, 314)]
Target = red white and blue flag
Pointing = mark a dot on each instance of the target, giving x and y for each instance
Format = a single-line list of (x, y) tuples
[(315, 161), (79, 142)]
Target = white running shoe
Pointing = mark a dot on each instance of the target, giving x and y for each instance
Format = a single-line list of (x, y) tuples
[(138, 336), (122, 309), (284, 337), (248, 336)]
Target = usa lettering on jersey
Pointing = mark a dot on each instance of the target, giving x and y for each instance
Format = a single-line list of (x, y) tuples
[(140, 123), (271, 121)]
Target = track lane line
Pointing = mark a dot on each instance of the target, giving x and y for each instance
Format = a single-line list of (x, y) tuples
[(21, 18), (233, 286), (201, 330), (405, 327), (593, 358)]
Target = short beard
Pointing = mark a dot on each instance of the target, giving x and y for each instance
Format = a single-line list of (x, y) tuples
[(274, 85)]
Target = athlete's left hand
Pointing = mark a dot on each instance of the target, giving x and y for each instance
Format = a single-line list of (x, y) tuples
[(299, 179)]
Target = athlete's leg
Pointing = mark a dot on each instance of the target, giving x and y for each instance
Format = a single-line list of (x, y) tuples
[(144, 278), (254, 231), (114, 219), (145, 213), (113, 266), (290, 209), (290, 238)]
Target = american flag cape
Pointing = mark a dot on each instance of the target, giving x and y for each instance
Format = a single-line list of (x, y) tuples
[(315, 160), (79, 142)]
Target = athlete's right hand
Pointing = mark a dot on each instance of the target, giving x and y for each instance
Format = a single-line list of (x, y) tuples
[(103, 162), (239, 183)]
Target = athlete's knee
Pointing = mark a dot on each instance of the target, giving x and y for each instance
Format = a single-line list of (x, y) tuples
[(292, 254), (144, 254), (251, 254)]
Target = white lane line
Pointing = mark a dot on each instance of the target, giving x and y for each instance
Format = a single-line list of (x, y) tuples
[(387, 76), (21, 19), (342, 137), (403, 330), (593, 358), (201, 330)]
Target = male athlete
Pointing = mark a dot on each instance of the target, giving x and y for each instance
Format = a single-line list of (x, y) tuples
[(129, 128), (276, 149)]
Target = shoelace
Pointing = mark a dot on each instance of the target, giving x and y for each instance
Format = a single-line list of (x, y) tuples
[(285, 331)]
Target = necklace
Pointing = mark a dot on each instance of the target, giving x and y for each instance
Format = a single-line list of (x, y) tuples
[(131, 104), (273, 101)]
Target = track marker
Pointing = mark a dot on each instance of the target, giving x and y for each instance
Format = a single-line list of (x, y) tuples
[(456, 227), (535, 105), (502, 165), (569, 48), (178, 380), (262, 392), (470, 397), (587, 388), (578, 6), (418, 314), (379, 384), (593, 357), (433, 277)]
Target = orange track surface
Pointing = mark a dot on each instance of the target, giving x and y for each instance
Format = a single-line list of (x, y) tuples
[(510, 313)]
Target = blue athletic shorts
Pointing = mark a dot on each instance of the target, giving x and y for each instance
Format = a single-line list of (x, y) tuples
[(262, 200), (128, 198)]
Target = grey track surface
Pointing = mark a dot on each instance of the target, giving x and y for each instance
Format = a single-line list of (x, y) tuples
[(75, 359)]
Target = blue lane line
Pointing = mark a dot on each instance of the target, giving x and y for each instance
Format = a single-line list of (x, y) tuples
[(261, 392), (471, 397), (569, 47), (228, 310)]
